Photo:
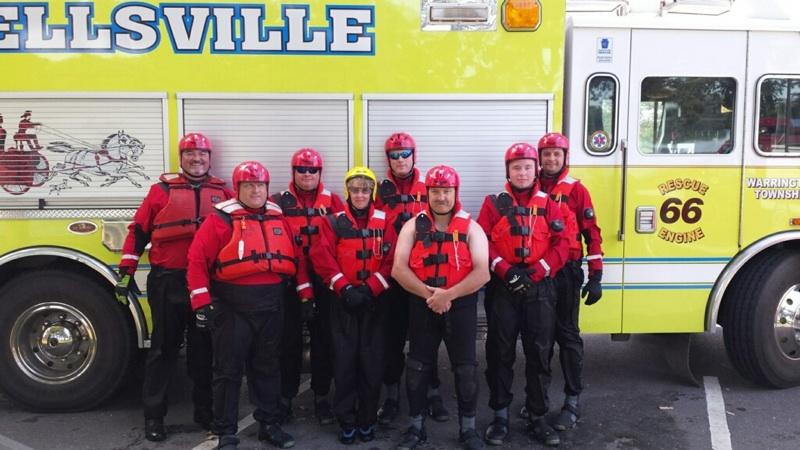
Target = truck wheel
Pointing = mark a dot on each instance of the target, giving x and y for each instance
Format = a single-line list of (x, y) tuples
[(761, 320), (66, 344)]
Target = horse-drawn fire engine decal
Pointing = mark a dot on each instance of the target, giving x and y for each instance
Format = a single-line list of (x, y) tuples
[(23, 166)]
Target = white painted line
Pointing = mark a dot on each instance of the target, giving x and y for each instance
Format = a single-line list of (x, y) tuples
[(211, 442), (10, 444), (717, 417)]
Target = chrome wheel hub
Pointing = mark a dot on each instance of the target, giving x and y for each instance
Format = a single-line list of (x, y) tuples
[(53, 342), (787, 323)]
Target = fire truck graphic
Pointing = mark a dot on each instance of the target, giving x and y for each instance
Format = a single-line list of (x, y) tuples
[(23, 166)]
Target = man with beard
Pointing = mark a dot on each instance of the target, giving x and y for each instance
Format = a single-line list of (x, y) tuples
[(168, 218), (575, 203)]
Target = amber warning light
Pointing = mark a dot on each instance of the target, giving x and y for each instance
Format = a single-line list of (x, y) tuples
[(522, 15)]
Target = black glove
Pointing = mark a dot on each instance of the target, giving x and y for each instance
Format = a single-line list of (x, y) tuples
[(204, 317), (125, 285), (354, 299), (307, 310), (518, 280), (593, 289), (372, 301)]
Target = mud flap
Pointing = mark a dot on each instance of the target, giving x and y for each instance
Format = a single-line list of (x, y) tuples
[(676, 348)]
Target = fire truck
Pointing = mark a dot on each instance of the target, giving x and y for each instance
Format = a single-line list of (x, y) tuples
[(682, 125)]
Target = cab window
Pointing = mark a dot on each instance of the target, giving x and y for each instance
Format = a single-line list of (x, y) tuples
[(778, 128), (601, 114), (686, 115)]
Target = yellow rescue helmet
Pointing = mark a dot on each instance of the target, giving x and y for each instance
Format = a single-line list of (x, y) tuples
[(361, 171)]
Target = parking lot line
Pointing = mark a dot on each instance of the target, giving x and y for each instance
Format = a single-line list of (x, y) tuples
[(10, 444), (211, 442), (717, 417)]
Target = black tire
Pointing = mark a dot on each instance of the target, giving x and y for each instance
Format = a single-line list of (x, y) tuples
[(65, 344), (762, 348)]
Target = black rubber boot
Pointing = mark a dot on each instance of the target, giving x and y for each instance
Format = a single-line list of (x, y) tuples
[(436, 409), (388, 412), (543, 432), (347, 436), (470, 440), (412, 438), (569, 415), (275, 435), (228, 442), (366, 434), (154, 430), (497, 431)]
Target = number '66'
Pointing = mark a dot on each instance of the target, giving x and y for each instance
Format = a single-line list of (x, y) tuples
[(690, 213)]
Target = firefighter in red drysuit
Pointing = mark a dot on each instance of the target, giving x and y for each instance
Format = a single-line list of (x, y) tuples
[(442, 258), (527, 247), (240, 263), (168, 219), (354, 258), (305, 204), (580, 221), (402, 195)]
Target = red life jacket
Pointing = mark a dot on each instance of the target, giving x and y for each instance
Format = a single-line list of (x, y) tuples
[(186, 206), (560, 194), (301, 219), (259, 243), (401, 207), (359, 251), (522, 235), (438, 258)]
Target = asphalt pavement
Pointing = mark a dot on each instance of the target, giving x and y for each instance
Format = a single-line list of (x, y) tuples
[(632, 400)]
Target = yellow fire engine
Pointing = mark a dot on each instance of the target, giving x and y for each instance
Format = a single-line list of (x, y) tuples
[(686, 139)]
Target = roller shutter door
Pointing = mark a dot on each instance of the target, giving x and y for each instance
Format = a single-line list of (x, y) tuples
[(270, 129), (470, 133)]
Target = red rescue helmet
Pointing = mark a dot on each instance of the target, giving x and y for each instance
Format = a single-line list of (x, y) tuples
[(554, 140), (307, 157), (442, 176), (521, 150), (194, 141), (249, 171), (401, 141)]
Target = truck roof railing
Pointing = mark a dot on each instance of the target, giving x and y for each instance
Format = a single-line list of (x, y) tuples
[(661, 7)]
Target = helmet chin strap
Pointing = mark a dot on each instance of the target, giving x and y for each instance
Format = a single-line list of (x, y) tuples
[(358, 212)]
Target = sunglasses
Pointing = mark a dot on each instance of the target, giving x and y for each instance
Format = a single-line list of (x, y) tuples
[(400, 154), (311, 170)]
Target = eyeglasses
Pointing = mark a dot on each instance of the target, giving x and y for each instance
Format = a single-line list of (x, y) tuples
[(311, 170), (357, 191), (400, 154)]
